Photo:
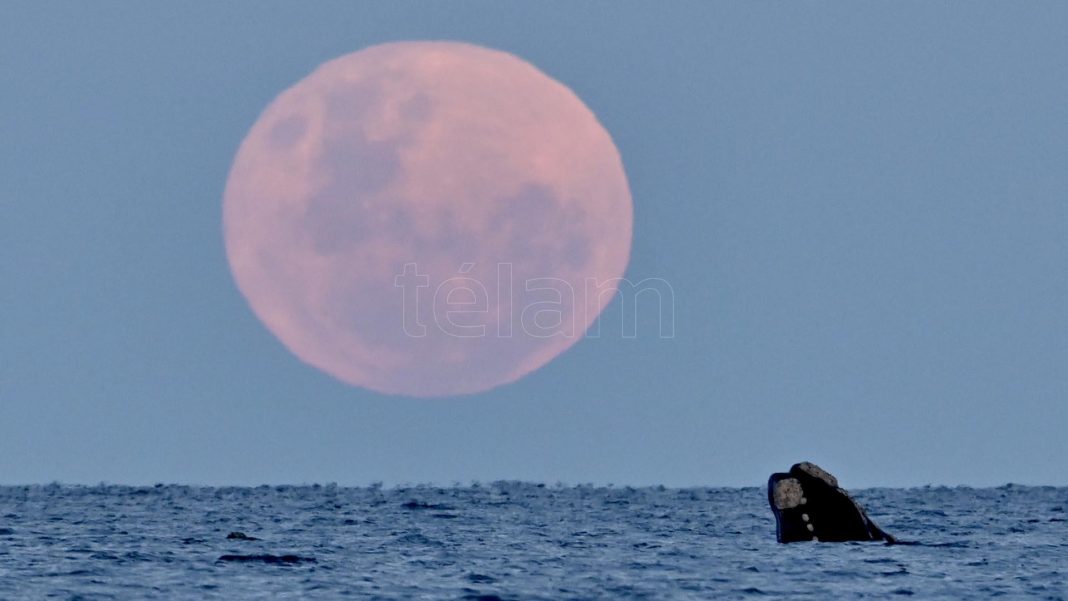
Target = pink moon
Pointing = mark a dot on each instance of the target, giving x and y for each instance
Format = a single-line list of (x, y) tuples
[(427, 218)]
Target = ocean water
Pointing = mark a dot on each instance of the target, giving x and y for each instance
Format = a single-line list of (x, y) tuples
[(517, 541)]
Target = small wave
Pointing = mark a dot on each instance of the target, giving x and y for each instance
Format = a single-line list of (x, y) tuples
[(949, 545), (267, 558), (413, 504), (480, 578), (477, 596)]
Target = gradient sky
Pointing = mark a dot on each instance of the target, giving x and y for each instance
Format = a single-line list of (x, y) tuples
[(861, 208)]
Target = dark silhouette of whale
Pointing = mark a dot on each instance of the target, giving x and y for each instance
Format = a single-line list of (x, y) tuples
[(809, 506)]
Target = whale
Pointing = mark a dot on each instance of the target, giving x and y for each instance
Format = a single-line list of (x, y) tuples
[(810, 506)]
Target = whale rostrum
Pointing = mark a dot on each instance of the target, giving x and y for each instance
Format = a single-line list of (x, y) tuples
[(810, 506)]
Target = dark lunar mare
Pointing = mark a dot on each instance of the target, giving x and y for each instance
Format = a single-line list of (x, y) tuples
[(809, 506)]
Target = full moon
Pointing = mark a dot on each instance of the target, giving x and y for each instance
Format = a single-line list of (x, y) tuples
[(427, 218)]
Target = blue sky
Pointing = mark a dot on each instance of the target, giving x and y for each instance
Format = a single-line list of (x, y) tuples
[(860, 208)]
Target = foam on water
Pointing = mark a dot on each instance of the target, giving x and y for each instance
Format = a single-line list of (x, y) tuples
[(516, 541)]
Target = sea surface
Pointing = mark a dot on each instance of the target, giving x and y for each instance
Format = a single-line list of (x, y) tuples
[(510, 540)]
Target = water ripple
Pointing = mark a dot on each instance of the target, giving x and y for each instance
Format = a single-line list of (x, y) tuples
[(511, 540)]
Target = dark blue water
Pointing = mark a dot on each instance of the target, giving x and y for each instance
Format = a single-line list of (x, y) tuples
[(517, 541)]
